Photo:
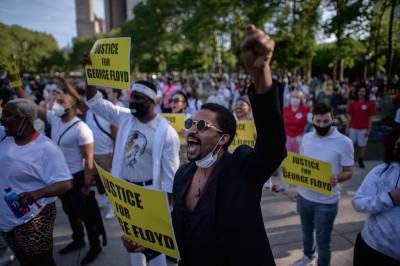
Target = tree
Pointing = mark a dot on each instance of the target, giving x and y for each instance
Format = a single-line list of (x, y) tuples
[(26, 47), (349, 20), (389, 55)]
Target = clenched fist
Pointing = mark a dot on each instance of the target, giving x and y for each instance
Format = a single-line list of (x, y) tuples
[(257, 50)]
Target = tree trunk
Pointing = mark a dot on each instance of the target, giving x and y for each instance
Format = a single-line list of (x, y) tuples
[(377, 37), (341, 69), (390, 42), (308, 71)]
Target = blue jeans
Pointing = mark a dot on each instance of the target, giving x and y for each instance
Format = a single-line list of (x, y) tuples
[(317, 221)]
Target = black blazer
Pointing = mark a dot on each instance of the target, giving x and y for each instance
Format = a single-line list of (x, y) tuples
[(237, 236)]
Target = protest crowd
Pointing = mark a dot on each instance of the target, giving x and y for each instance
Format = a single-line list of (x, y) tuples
[(55, 129)]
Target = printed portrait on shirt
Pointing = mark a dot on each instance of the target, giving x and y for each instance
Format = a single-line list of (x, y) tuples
[(135, 147)]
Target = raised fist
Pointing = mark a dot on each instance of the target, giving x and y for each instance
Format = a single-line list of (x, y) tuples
[(257, 49)]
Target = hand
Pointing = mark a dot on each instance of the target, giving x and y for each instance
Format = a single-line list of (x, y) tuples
[(86, 59), (257, 50), (334, 180), (131, 246), (396, 196), (29, 198), (366, 134), (61, 76)]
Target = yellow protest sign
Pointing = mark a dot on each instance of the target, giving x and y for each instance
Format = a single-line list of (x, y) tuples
[(110, 63), (177, 121), (245, 134), (308, 173), (13, 75), (143, 214)]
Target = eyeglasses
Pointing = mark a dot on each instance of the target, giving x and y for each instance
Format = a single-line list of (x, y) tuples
[(175, 100), (201, 125)]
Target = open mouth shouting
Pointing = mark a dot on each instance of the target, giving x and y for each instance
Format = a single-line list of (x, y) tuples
[(193, 146)]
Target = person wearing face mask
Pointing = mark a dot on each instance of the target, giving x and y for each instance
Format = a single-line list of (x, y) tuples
[(167, 91), (104, 135), (317, 211), (33, 172), (379, 196), (75, 140), (359, 127), (146, 151), (295, 118), (216, 217)]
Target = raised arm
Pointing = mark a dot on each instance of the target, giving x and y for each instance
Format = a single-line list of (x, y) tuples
[(74, 93), (269, 151), (95, 101), (41, 112), (91, 91)]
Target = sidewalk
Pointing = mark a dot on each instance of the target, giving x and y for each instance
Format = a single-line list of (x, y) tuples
[(281, 221)]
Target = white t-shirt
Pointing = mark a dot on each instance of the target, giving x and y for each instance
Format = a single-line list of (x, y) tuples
[(138, 161), (103, 144), (2, 132), (397, 117), (336, 149), (70, 144), (30, 167)]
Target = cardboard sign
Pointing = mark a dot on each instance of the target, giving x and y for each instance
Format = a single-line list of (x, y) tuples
[(13, 75), (245, 134), (177, 121), (143, 214), (307, 172), (110, 63)]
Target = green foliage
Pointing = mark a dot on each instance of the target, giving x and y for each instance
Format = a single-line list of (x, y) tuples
[(205, 35), (27, 47)]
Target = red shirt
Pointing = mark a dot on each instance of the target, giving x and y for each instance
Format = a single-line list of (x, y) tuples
[(360, 112), (295, 122)]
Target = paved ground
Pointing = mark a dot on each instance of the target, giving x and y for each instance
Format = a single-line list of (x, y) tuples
[(281, 221)]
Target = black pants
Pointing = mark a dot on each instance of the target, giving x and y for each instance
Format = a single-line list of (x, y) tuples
[(364, 255), (74, 205)]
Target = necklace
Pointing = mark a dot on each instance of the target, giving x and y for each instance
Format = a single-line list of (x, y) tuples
[(200, 190)]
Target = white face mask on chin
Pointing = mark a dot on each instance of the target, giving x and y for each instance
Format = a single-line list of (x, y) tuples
[(208, 160)]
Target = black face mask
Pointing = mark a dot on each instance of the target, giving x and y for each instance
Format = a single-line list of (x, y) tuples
[(322, 131), (139, 109)]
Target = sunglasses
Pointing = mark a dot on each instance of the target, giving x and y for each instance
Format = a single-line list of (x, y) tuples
[(201, 125), (175, 100)]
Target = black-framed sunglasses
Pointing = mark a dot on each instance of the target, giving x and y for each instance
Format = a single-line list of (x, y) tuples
[(175, 100), (201, 125)]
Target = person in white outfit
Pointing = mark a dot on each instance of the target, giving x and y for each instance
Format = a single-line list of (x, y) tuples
[(104, 135), (147, 148)]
